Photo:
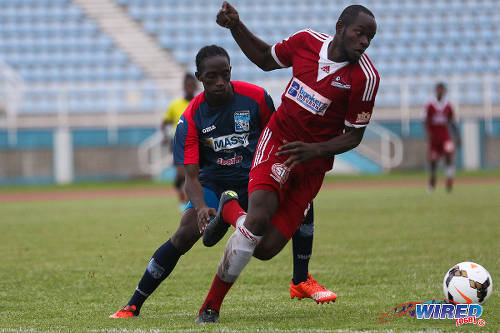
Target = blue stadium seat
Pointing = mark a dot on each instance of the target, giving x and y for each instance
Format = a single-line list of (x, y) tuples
[(54, 41)]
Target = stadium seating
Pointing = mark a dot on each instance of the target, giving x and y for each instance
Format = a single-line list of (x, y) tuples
[(53, 42), (47, 35), (424, 38)]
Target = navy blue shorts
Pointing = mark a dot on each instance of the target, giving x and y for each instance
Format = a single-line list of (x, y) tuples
[(212, 194)]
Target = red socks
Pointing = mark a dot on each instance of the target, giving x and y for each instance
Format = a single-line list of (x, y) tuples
[(217, 292), (232, 211)]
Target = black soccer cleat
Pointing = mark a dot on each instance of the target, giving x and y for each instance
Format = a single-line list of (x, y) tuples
[(217, 228), (207, 316)]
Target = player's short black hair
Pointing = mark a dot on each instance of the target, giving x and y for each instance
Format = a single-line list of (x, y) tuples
[(208, 52), (350, 13), (441, 84), (189, 76)]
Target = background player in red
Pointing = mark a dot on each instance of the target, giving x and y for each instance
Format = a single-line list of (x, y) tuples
[(324, 111), (215, 140), (439, 116)]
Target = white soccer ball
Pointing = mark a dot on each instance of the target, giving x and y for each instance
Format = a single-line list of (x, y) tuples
[(467, 282)]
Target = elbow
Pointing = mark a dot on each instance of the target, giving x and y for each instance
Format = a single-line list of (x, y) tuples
[(356, 141), (354, 145), (266, 62), (265, 66)]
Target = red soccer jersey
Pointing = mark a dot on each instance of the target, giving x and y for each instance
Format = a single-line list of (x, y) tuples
[(323, 96), (437, 116)]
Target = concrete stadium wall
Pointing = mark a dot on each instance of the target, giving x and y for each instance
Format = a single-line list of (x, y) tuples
[(36, 166), (99, 155), (96, 155), (96, 163), (491, 152), (414, 154), (26, 165)]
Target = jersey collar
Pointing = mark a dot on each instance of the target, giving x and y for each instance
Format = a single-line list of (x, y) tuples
[(325, 65)]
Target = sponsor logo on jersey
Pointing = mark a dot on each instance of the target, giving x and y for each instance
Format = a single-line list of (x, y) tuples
[(242, 121), (280, 172), (363, 117), (339, 84), (306, 97), (439, 119), (231, 161), (208, 129), (227, 142)]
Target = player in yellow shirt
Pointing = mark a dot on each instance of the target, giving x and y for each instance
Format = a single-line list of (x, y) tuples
[(174, 112)]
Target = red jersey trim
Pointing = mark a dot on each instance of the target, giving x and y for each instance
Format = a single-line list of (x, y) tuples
[(371, 78), (257, 94), (275, 57), (191, 146)]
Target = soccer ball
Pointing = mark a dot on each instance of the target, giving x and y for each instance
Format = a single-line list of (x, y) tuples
[(467, 282)]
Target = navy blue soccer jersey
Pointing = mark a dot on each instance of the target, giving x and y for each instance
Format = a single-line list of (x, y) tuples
[(223, 140)]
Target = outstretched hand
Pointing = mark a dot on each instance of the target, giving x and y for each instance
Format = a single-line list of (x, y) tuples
[(299, 152), (227, 16), (204, 214)]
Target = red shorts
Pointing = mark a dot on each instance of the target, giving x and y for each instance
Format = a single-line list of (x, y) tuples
[(439, 148), (296, 189)]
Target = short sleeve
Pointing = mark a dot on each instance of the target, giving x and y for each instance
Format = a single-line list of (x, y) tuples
[(186, 143), (266, 109), (283, 51), (451, 113), (169, 115), (362, 98), (427, 112)]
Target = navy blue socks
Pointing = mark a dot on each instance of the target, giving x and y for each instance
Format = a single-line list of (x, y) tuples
[(160, 266), (302, 242)]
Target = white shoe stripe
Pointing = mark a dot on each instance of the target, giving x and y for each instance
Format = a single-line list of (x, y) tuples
[(322, 294)]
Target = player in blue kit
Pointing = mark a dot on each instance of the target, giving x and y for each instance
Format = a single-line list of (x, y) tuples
[(215, 140)]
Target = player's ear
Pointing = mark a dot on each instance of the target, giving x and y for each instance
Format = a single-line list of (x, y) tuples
[(339, 26), (198, 76)]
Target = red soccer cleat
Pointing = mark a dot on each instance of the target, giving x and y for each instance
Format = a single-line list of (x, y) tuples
[(312, 289), (127, 312)]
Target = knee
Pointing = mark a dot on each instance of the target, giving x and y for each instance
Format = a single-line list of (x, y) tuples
[(183, 239), (257, 222), (179, 182), (263, 252), (261, 207), (263, 255)]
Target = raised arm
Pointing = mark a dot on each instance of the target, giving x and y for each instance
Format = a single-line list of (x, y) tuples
[(258, 51)]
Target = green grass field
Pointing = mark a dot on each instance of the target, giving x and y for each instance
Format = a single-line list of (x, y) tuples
[(66, 265)]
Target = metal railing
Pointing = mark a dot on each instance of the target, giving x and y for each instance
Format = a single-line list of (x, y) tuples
[(11, 92), (472, 96), (154, 156), (388, 152)]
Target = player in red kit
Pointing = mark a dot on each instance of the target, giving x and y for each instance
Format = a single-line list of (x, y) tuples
[(438, 117), (324, 111)]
